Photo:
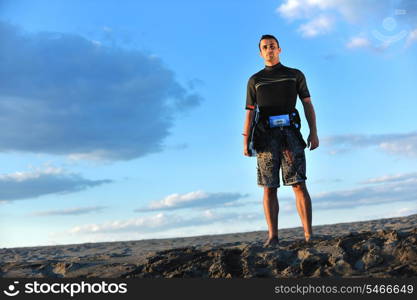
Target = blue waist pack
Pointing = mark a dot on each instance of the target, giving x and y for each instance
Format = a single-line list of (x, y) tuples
[(279, 121)]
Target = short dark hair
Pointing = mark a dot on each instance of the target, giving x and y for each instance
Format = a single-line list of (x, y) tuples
[(267, 36)]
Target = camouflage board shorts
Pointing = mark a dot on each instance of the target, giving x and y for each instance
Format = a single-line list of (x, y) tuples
[(282, 148)]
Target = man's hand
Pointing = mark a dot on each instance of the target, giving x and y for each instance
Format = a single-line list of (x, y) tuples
[(246, 128), (245, 147), (312, 141)]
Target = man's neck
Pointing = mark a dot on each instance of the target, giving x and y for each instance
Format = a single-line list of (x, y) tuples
[(271, 63)]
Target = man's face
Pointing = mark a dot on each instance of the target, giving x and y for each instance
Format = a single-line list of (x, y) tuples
[(270, 50)]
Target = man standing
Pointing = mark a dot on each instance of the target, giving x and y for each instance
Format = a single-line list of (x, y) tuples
[(276, 137)]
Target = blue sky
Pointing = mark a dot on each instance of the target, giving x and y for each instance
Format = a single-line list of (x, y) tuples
[(123, 122)]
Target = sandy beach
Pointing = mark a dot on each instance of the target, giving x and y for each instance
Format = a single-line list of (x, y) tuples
[(376, 248)]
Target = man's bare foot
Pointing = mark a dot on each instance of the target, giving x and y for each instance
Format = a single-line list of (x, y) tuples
[(271, 242), (307, 237)]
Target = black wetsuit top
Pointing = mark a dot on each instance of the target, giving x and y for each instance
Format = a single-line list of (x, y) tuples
[(275, 89)]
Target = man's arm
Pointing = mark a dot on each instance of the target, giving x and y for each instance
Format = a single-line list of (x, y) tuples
[(246, 129), (312, 139), (250, 106)]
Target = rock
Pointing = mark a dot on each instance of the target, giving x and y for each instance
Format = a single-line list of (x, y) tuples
[(342, 267), (372, 258), (408, 254)]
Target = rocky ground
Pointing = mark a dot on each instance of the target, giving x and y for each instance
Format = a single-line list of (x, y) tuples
[(377, 248), (367, 254)]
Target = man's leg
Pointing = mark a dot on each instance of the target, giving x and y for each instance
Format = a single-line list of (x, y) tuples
[(303, 202), (271, 209)]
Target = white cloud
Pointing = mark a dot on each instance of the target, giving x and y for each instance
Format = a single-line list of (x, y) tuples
[(163, 222), (42, 181), (69, 211), (395, 213), (402, 212), (318, 26), (400, 144), (372, 16), (95, 155), (350, 10), (291, 9), (96, 43), (392, 178), (327, 181), (144, 224), (193, 199), (296, 9), (208, 213), (408, 148), (411, 38), (35, 173), (107, 29), (178, 199), (358, 42), (393, 190)]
